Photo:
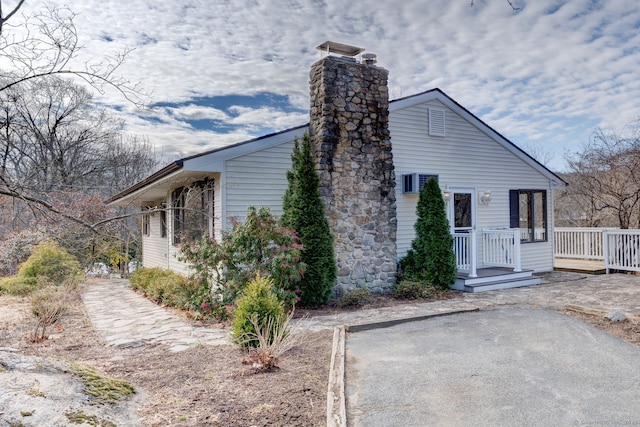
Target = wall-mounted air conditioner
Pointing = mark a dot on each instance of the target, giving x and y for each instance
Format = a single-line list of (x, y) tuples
[(413, 182)]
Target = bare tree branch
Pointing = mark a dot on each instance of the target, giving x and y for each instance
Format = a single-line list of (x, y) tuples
[(508, 1), (47, 45), (605, 176), (4, 19)]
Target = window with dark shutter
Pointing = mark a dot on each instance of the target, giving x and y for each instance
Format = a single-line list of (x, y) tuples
[(528, 212)]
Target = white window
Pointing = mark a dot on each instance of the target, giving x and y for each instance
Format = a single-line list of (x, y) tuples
[(193, 212)]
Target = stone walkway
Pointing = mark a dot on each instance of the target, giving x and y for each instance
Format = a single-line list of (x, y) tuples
[(126, 319)]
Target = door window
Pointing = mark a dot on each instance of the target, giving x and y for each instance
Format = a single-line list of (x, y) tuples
[(462, 211)]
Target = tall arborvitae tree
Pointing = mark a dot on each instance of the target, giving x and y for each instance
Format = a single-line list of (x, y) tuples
[(304, 212), (432, 258)]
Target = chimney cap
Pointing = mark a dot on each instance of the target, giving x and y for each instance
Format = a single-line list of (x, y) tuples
[(330, 47)]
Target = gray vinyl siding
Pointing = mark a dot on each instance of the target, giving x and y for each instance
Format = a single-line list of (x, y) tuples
[(465, 157), (258, 179)]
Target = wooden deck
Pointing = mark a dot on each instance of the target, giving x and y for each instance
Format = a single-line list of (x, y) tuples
[(579, 266)]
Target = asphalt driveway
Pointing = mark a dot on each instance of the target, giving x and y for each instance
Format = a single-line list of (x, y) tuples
[(500, 367)]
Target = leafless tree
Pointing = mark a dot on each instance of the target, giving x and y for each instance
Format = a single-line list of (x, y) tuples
[(60, 156), (542, 154), (604, 177), (45, 44), (60, 153)]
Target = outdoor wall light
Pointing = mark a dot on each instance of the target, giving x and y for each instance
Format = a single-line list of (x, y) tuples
[(446, 194), (485, 197)]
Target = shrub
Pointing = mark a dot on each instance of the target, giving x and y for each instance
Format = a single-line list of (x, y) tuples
[(304, 212), (259, 245), (48, 264), (432, 258), (52, 262), (257, 305), (411, 289), (162, 285), (274, 339), (356, 297), (18, 286), (48, 305)]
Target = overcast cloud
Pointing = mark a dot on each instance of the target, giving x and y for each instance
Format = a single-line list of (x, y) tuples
[(547, 74)]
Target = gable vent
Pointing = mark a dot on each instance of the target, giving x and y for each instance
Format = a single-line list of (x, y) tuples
[(436, 122), (413, 182)]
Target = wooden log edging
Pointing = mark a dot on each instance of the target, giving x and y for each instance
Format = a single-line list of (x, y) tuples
[(336, 405)]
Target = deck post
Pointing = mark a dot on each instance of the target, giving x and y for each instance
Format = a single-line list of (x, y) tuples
[(516, 250), (473, 254), (605, 250)]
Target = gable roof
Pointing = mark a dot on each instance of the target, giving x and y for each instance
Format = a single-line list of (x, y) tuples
[(182, 170), (439, 95), (156, 185)]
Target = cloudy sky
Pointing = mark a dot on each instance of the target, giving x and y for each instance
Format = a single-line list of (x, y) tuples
[(221, 71)]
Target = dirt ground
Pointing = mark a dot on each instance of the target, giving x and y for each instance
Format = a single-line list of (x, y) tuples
[(203, 385)]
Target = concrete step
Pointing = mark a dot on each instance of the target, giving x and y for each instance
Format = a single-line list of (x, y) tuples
[(488, 275), (496, 284)]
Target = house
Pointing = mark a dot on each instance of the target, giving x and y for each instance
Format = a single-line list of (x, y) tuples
[(372, 156)]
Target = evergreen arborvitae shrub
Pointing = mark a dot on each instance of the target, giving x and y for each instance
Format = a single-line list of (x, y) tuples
[(432, 257), (259, 300), (304, 212)]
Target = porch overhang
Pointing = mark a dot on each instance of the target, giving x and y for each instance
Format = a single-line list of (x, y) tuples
[(156, 187)]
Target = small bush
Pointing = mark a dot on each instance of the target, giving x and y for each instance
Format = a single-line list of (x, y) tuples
[(410, 289), (48, 305), (49, 264), (52, 262), (274, 339), (257, 305), (18, 286), (356, 297), (162, 285)]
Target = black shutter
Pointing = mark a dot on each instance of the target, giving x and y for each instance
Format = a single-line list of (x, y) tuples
[(514, 208)]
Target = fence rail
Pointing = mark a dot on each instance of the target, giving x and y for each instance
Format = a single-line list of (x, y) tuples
[(618, 249), (464, 246), (578, 243), (622, 250), (501, 247)]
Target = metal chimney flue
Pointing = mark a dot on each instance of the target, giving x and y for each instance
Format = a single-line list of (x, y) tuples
[(369, 58)]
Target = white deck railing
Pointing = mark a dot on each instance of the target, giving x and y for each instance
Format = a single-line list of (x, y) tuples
[(622, 250), (578, 243), (464, 246), (501, 248), (619, 249)]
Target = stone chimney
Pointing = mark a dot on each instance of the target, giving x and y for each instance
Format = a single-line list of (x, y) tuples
[(352, 147)]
